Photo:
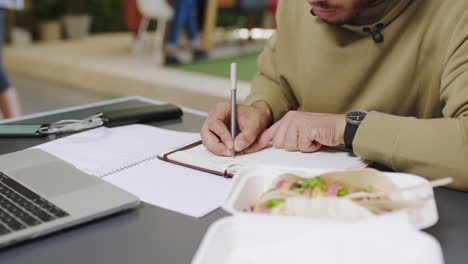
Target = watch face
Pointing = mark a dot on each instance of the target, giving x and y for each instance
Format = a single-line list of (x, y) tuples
[(355, 117)]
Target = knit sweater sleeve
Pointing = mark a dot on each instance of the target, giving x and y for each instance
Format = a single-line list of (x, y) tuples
[(268, 85), (433, 148)]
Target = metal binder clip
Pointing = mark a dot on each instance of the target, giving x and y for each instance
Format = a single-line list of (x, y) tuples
[(72, 125)]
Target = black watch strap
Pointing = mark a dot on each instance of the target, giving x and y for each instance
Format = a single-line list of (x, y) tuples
[(350, 132)]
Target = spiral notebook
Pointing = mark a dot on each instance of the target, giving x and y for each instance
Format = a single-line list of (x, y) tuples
[(104, 151), (126, 157)]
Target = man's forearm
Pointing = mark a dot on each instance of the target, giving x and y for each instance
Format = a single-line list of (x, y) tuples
[(432, 148)]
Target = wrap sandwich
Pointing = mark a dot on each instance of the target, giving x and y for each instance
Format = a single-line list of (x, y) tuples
[(335, 195)]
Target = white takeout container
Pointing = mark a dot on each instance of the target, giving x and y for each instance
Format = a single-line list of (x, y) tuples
[(230, 238), (271, 240)]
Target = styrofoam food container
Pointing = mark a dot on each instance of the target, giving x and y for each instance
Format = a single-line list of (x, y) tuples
[(271, 240), (246, 237), (250, 182)]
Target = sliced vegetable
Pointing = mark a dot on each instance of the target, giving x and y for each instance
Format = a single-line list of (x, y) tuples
[(280, 183), (368, 189), (307, 183), (273, 203), (334, 188), (342, 191), (312, 182), (299, 190), (264, 210), (286, 186)]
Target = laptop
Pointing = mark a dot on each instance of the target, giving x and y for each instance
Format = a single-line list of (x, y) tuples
[(41, 194)]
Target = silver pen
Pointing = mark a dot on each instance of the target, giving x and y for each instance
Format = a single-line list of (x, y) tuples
[(233, 104)]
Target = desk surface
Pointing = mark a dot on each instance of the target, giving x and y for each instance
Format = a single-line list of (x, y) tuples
[(154, 235)]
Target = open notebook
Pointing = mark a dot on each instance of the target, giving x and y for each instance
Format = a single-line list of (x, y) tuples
[(126, 157), (196, 156)]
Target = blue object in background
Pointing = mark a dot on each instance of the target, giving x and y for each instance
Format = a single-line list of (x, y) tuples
[(4, 83), (252, 5), (184, 16)]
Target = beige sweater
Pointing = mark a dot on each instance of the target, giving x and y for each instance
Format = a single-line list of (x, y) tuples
[(415, 83)]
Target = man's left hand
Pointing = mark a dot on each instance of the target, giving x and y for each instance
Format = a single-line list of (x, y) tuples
[(303, 131)]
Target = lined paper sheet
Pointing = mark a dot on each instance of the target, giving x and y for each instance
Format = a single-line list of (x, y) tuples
[(103, 150), (173, 187), (111, 153)]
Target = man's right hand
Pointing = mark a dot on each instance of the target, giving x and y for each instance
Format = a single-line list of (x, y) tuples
[(251, 120)]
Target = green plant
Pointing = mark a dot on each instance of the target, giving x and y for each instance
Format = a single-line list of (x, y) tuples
[(107, 15), (48, 9), (232, 18), (74, 7), (229, 18), (21, 17)]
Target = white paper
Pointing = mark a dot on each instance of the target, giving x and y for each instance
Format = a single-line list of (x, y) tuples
[(103, 150), (111, 153), (325, 158), (173, 187)]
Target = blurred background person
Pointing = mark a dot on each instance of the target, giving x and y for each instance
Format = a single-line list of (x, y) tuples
[(9, 103), (185, 16), (132, 16)]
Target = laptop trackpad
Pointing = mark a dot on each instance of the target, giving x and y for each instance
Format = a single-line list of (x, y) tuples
[(53, 178)]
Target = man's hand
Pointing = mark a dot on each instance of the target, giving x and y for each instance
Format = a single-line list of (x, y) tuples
[(252, 121), (303, 131)]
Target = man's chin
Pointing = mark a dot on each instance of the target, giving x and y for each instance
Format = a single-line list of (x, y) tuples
[(331, 22)]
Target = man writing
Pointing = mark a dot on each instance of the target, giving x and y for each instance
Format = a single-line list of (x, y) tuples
[(404, 61)]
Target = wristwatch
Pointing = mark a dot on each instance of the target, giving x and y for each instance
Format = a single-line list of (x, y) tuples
[(354, 118)]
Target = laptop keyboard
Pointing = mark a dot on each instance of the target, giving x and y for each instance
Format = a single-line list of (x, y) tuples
[(21, 207)]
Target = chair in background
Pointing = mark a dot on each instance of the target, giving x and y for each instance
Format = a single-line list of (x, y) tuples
[(162, 12)]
